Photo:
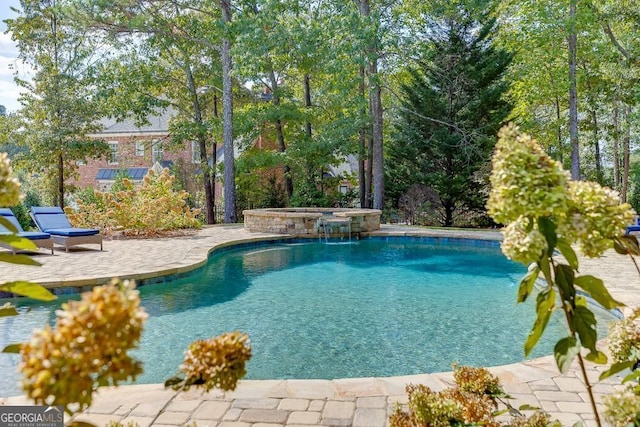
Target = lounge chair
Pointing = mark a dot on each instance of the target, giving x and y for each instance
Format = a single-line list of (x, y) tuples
[(41, 240), (54, 221), (634, 227)]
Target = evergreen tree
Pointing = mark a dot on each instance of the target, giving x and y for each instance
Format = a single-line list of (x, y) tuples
[(452, 108)]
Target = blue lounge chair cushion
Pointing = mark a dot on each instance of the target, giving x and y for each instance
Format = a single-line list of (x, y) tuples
[(53, 220), (632, 228), (72, 232), (8, 214), (31, 235)]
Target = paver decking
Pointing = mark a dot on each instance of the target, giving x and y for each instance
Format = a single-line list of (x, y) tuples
[(361, 402)]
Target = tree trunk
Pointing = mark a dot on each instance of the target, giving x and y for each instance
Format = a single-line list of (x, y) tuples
[(309, 131), (626, 141), (375, 101), (214, 161), (282, 147), (60, 180), (307, 102), (560, 144), (596, 147), (230, 214), (573, 93), (362, 187), (201, 138), (616, 148)]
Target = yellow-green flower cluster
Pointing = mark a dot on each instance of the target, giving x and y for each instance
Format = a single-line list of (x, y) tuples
[(597, 217), (537, 419), (624, 339), (623, 408), (521, 245), (217, 362), (526, 184), (525, 181), (86, 349), (477, 381), (9, 187), (433, 409)]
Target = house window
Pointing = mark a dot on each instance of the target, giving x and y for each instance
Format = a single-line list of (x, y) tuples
[(343, 189), (157, 152), (140, 148), (113, 153), (195, 152)]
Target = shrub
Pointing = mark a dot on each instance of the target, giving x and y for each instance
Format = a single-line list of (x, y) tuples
[(473, 401), (151, 208), (65, 364)]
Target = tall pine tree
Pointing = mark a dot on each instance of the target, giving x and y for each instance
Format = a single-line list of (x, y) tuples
[(452, 108)]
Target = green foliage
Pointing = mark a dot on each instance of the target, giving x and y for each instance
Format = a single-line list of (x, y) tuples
[(151, 208), (21, 211), (59, 105), (451, 110)]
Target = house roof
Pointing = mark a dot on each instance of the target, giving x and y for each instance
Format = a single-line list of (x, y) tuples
[(109, 174), (136, 174), (157, 124)]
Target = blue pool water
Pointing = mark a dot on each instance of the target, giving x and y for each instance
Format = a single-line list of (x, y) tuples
[(377, 307)]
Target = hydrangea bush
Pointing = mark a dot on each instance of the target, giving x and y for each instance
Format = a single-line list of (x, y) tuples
[(88, 347), (545, 213), (217, 362), (473, 400), (9, 186), (150, 208)]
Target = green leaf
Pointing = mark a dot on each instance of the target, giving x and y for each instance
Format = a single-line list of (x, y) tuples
[(18, 259), (545, 267), (567, 251), (620, 248), (528, 407), (548, 230), (28, 289), (597, 357), (527, 283), (584, 323), (632, 376), (500, 412), (616, 368), (173, 381), (545, 305), (565, 351), (564, 280), (8, 310), (627, 245), (20, 243), (596, 289), (8, 224), (12, 348)]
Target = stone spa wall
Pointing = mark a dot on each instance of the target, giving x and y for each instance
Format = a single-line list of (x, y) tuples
[(304, 221)]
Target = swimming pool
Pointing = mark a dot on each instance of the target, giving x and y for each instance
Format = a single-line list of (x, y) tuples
[(377, 307)]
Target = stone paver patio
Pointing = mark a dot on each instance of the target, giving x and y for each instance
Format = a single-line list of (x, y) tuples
[(364, 402)]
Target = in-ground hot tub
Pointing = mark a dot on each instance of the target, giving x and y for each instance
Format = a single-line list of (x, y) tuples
[(308, 221)]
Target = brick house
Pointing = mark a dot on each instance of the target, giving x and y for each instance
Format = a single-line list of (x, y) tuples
[(136, 149)]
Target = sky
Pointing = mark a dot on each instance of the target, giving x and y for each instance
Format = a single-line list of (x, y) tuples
[(9, 91)]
